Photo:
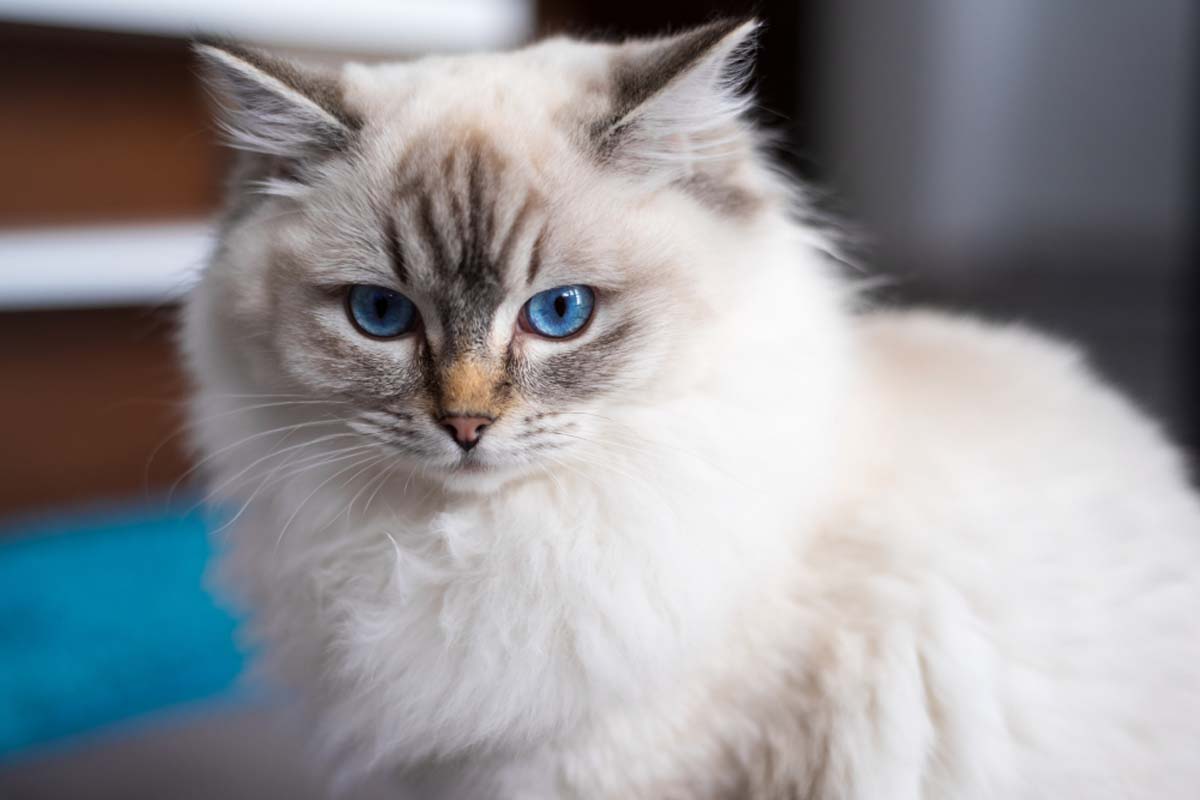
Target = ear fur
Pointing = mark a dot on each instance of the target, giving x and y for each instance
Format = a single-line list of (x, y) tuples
[(680, 99), (274, 107)]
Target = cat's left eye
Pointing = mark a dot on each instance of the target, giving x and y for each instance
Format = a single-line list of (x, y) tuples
[(380, 312), (560, 312)]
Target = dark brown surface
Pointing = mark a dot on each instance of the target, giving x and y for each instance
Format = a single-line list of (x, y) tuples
[(88, 396), (96, 127)]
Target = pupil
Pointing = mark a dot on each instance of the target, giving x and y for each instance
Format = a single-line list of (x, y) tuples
[(560, 305), (381, 307)]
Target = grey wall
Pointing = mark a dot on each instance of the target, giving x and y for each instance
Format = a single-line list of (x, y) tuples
[(1014, 118), (1031, 159)]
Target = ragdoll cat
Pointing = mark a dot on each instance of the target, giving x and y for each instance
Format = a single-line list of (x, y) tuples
[(561, 463)]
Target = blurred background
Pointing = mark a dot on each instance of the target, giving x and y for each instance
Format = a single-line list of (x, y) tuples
[(1022, 159)]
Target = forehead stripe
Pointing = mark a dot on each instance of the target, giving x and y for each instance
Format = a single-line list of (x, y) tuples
[(429, 232), (535, 257), (394, 252), (476, 227), (513, 234), (476, 221)]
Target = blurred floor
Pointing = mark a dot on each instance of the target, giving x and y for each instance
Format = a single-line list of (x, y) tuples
[(224, 752)]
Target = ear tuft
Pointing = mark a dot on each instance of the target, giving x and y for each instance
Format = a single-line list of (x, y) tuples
[(274, 107), (681, 99)]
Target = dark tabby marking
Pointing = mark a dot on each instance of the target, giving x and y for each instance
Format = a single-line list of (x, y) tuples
[(593, 368), (455, 219), (429, 232), (535, 257), (529, 206), (721, 195), (453, 216), (394, 252)]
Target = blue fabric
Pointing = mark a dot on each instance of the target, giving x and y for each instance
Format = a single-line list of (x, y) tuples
[(104, 617)]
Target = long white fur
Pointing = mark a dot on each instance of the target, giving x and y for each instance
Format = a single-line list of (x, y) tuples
[(855, 555)]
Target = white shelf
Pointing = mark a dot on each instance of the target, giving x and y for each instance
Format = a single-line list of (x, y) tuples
[(151, 263), (368, 26), (93, 266)]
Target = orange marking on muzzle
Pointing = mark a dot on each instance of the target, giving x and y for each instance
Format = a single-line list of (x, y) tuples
[(470, 387)]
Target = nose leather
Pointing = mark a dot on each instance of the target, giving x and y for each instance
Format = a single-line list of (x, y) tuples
[(465, 430)]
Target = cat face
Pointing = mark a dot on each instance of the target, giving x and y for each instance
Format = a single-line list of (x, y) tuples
[(477, 260), (512, 371)]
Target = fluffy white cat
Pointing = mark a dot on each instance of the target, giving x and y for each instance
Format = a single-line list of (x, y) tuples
[(561, 462)]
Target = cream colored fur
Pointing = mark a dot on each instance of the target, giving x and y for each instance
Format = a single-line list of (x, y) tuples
[(804, 550)]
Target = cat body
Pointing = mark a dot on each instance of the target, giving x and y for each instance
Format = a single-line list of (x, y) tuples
[(733, 537)]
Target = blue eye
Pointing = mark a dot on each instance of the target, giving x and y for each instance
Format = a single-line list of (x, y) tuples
[(560, 312), (380, 312)]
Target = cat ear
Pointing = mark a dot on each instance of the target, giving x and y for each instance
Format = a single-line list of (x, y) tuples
[(680, 99), (274, 107)]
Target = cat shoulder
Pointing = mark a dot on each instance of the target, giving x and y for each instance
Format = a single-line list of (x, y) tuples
[(947, 374), (940, 344)]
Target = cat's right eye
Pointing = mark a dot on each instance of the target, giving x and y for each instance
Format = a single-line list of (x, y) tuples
[(379, 312)]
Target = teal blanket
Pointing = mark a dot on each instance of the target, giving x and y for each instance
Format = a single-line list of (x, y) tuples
[(103, 617)]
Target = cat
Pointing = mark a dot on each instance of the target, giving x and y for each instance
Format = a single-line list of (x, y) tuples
[(562, 462)]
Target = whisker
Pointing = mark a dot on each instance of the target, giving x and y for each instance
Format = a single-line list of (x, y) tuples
[(561, 489), (302, 464), (365, 487), (244, 441), (640, 480), (387, 474), (313, 493), (267, 481), (717, 468), (275, 452), (579, 457), (189, 424)]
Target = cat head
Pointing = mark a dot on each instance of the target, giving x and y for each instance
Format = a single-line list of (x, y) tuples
[(485, 260)]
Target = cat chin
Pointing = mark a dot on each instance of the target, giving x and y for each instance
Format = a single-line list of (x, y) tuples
[(477, 479)]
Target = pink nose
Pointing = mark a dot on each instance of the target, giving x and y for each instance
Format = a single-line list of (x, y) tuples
[(465, 430)]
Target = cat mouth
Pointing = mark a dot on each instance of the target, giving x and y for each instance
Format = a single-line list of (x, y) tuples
[(472, 475), (471, 465)]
